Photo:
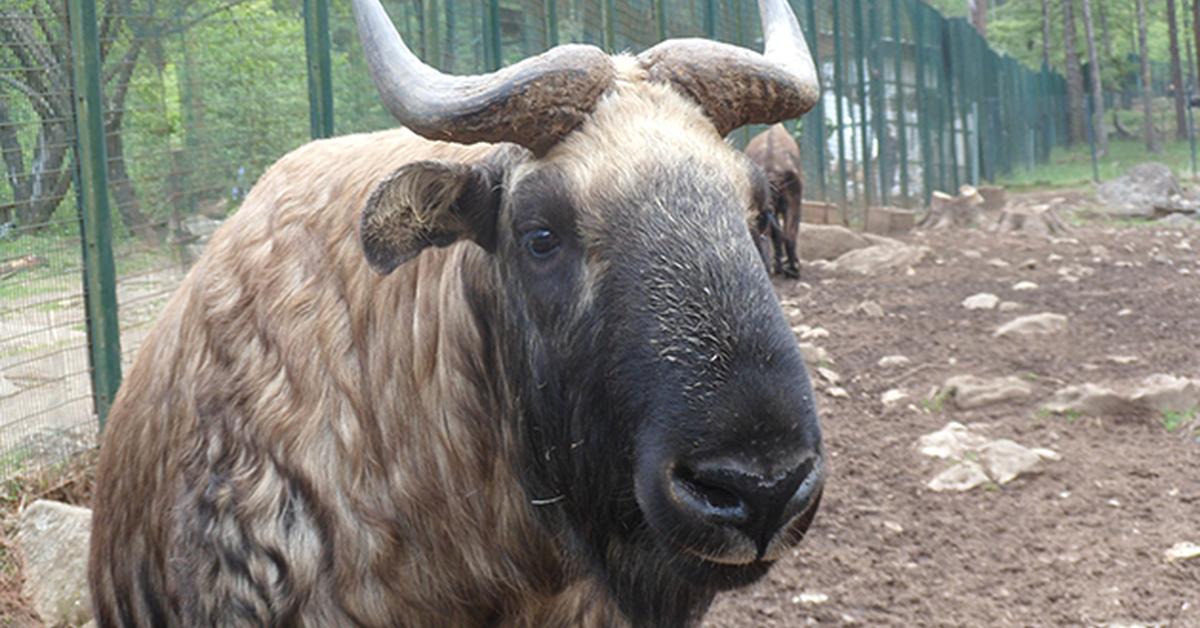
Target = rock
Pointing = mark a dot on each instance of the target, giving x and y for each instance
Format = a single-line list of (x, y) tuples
[(952, 441), (996, 262), (880, 257), (892, 396), (7, 388), (1033, 325), (963, 476), (1123, 359), (1167, 393), (837, 392), (1025, 285), (1004, 460), (1009, 306), (828, 242), (810, 598), (870, 309), (981, 301), (1047, 454), (1135, 193), (1183, 550), (972, 254), (829, 375), (53, 538), (814, 355), (814, 333), (893, 361), (1090, 399), (1181, 221), (968, 391)]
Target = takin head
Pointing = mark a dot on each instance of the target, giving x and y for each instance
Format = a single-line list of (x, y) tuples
[(668, 428)]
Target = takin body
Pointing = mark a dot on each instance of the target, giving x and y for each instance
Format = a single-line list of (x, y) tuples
[(778, 225), (531, 381)]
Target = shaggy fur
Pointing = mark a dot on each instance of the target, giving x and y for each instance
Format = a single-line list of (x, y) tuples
[(303, 441)]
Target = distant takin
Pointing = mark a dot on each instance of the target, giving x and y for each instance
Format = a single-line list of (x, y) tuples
[(517, 365), (777, 223)]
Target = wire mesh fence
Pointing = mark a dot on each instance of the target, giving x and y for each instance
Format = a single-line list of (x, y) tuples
[(198, 97)]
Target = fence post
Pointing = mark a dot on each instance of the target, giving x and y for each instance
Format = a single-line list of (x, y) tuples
[(860, 61), (609, 18), (839, 96), (901, 122), (660, 16), (878, 99), (320, 74), (491, 36), (818, 112), (99, 269), (710, 19), (551, 11)]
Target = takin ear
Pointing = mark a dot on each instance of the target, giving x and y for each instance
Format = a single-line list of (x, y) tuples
[(429, 203)]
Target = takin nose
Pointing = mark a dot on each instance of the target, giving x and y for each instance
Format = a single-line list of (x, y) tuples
[(750, 497)]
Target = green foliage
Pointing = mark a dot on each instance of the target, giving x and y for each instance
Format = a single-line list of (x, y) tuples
[(1072, 167), (1174, 419)]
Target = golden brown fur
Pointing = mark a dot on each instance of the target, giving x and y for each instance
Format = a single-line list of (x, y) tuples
[(283, 319)]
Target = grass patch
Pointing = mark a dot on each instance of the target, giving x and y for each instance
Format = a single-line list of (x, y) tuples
[(1072, 167), (1172, 420), (937, 402)]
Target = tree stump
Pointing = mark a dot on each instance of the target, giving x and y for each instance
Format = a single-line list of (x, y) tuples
[(1034, 219), (946, 211)]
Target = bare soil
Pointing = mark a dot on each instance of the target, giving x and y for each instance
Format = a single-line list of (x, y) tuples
[(1080, 544)]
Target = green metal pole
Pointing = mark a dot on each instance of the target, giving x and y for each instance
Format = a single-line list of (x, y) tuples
[(924, 115), (901, 122), (710, 18), (320, 73), (839, 91), (660, 16), (492, 36), (551, 10), (99, 269), (860, 62), (816, 118), (610, 31), (1092, 139), (878, 98)]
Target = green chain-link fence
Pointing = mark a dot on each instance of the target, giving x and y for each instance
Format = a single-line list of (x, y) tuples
[(175, 107)]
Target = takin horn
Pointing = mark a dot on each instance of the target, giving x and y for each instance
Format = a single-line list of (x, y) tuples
[(736, 86), (533, 103)]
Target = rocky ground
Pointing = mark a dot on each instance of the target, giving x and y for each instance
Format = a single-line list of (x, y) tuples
[(1096, 531), (1012, 429)]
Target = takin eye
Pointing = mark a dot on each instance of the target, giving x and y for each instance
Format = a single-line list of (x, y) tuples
[(541, 243)]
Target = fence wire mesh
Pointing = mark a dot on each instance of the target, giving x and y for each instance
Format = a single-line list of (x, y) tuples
[(200, 96)]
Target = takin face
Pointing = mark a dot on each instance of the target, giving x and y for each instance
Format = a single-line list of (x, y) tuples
[(666, 418), (668, 429)]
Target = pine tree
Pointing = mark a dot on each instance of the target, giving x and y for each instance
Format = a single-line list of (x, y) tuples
[(1097, 86), (1177, 93), (1075, 110)]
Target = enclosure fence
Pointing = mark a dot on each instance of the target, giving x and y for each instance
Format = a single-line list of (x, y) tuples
[(129, 129)]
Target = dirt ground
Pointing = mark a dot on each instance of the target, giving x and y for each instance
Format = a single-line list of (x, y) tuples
[(1079, 544), (1082, 542)]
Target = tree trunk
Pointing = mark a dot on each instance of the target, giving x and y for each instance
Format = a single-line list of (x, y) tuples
[(1147, 100), (1178, 91), (119, 183), (979, 15), (1105, 34), (1075, 109), (1098, 127), (1046, 33)]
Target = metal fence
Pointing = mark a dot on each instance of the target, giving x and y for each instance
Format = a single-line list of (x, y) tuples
[(130, 128)]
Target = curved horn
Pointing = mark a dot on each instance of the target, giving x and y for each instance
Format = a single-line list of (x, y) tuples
[(533, 103), (736, 86)]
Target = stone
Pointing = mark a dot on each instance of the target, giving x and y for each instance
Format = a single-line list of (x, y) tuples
[(814, 333), (1123, 359), (996, 262), (893, 361), (7, 388), (893, 396), (954, 440), (828, 242), (829, 375), (968, 392), (1138, 191), (1009, 306), (1042, 324), (810, 598), (53, 538), (1183, 550), (1025, 285), (837, 392), (1004, 460), (963, 476), (870, 309), (981, 301), (1167, 393), (881, 257), (814, 355), (1092, 400)]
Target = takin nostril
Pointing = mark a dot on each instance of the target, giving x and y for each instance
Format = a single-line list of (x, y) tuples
[(712, 496)]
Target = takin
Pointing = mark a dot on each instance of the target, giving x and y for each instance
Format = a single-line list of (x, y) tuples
[(516, 364), (778, 223)]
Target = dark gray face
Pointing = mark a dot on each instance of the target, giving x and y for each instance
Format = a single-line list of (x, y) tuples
[(668, 426)]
